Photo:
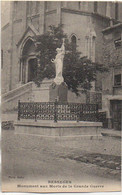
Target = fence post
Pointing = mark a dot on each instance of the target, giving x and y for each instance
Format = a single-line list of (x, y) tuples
[(55, 110), (35, 113), (78, 114), (19, 110)]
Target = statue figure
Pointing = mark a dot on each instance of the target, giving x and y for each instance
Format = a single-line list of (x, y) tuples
[(58, 61)]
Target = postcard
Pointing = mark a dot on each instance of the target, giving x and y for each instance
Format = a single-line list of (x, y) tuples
[(61, 75)]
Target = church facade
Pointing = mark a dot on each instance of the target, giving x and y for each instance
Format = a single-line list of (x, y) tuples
[(93, 26), (82, 21)]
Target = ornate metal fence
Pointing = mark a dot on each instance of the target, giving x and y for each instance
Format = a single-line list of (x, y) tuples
[(103, 118), (94, 97), (57, 111)]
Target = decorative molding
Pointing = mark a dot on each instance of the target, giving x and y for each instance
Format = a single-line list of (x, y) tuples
[(73, 34), (30, 27)]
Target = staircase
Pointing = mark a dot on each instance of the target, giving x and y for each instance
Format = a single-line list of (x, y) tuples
[(25, 93), (10, 99)]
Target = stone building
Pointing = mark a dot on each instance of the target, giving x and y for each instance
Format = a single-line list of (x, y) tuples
[(112, 81), (82, 21)]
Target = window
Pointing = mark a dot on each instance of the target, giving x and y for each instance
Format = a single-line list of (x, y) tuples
[(118, 42), (117, 80), (74, 42)]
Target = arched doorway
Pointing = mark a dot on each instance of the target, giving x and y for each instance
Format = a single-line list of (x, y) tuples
[(74, 42), (32, 69), (28, 62)]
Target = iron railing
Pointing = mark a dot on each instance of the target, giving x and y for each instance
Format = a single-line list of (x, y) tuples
[(57, 111), (103, 118), (96, 97)]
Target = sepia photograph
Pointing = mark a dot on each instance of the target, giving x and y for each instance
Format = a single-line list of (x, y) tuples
[(61, 96)]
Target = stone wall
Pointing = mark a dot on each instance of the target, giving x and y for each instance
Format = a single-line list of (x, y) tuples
[(112, 55), (76, 24), (112, 59)]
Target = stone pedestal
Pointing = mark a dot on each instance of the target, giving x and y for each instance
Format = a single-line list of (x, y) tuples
[(58, 92)]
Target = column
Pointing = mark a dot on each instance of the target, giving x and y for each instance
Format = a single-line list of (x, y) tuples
[(93, 49), (108, 9), (87, 46), (59, 13), (24, 16), (11, 42), (21, 70), (92, 53), (42, 17)]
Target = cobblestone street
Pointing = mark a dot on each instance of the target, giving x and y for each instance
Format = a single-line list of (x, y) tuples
[(35, 156)]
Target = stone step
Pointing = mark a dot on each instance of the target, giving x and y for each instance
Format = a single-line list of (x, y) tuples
[(111, 133)]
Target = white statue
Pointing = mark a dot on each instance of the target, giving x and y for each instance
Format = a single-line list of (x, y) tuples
[(58, 61)]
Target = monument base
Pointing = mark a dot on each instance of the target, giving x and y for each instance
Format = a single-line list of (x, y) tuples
[(58, 92), (60, 129)]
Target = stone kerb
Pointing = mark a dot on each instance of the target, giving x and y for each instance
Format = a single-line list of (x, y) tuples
[(59, 129)]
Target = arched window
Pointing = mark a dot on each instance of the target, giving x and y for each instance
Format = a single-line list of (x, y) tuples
[(74, 42)]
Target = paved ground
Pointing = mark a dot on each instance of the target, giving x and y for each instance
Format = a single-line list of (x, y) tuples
[(35, 157)]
